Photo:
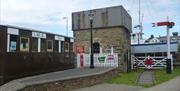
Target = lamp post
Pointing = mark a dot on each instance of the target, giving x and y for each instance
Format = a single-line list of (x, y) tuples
[(91, 16), (66, 18)]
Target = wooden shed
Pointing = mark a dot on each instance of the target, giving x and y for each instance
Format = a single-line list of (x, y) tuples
[(25, 52)]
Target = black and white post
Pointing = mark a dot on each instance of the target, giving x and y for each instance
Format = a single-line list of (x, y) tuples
[(168, 60)]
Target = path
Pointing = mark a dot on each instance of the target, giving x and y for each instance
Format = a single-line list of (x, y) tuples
[(146, 78), (110, 87), (171, 85), (51, 77)]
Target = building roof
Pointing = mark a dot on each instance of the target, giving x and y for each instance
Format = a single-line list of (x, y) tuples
[(171, 37), (154, 47), (35, 30), (108, 17)]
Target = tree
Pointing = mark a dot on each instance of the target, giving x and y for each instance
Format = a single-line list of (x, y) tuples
[(179, 47)]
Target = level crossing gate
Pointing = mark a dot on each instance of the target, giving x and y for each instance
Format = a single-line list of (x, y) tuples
[(158, 62)]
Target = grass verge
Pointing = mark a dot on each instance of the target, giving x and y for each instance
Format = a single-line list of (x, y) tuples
[(161, 75), (131, 77), (126, 78)]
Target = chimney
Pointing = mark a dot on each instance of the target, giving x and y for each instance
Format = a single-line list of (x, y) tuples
[(175, 34), (152, 36)]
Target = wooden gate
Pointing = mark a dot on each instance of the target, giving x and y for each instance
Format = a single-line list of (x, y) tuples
[(157, 62)]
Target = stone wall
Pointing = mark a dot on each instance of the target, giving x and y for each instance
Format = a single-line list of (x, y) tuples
[(116, 37), (71, 84)]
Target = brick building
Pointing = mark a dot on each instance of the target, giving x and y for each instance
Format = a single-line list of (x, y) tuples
[(111, 28)]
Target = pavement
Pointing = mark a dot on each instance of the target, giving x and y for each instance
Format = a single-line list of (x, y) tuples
[(171, 85), (146, 78), (110, 87), (53, 76)]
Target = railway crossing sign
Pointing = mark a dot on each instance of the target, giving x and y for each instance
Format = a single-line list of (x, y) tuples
[(166, 23)]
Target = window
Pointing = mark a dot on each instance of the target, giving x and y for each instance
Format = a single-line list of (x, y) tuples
[(34, 44), (49, 45), (71, 47), (96, 48), (56, 46), (66, 47), (62, 46), (24, 44), (43, 45), (13, 43)]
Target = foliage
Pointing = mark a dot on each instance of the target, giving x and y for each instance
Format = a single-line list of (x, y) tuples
[(179, 47)]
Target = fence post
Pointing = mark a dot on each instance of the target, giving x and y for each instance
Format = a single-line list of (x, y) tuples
[(100, 50), (112, 50), (78, 60)]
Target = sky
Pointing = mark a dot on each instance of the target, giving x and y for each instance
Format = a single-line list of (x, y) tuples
[(47, 15)]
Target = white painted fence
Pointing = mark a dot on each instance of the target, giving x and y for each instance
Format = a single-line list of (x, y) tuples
[(158, 62), (100, 60)]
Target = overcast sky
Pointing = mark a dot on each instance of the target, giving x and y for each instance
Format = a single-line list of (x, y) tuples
[(47, 15)]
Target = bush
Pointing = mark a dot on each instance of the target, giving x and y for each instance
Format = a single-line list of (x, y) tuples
[(179, 48)]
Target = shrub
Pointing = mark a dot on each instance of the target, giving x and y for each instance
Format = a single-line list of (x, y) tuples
[(179, 47)]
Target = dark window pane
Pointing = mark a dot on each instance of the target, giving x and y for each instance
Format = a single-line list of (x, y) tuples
[(96, 47), (43, 45), (49, 45), (66, 47), (71, 47), (56, 46), (62, 46), (34, 44)]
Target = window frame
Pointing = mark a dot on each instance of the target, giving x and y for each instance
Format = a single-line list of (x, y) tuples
[(27, 49), (10, 43)]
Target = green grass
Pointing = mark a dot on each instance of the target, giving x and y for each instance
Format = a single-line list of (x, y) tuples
[(126, 78), (161, 75), (131, 77)]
